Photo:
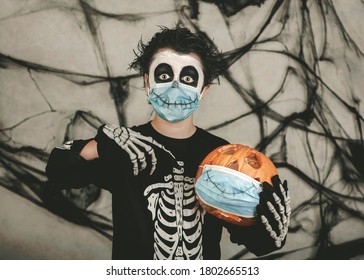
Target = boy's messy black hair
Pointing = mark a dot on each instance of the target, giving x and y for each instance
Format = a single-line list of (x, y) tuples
[(181, 40)]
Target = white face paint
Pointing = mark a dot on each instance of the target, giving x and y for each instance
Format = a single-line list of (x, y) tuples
[(168, 66)]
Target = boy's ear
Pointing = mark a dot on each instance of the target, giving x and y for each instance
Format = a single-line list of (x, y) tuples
[(146, 82), (204, 89)]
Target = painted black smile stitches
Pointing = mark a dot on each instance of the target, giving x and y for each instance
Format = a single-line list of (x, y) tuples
[(182, 104)]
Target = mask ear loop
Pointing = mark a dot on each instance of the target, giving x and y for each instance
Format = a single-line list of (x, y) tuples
[(203, 91), (200, 96), (147, 87)]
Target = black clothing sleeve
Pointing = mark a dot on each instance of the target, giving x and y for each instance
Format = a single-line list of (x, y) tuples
[(67, 169), (255, 238)]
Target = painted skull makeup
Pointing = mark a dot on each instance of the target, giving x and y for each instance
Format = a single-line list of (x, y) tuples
[(175, 84)]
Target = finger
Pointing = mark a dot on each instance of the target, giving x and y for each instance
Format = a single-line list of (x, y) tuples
[(271, 192), (275, 214), (264, 197), (276, 181), (139, 153), (259, 210), (153, 159), (281, 208), (283, 191), (286, 201), (274, 195), (263, 210), (152, 169), (143, 163), (271, 232), (134, 161), (285, 185), (278, 187), (277, 240), (285, 195), (267, 187), (133, 132), (268, 227), (285, 217), (268, 194), (135, 167), (263, 204), (288, 213), (140, 143), (277, 220), (150, 140), (135, 140)]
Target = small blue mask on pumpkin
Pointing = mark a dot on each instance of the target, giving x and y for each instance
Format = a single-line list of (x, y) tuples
[(228, 190)]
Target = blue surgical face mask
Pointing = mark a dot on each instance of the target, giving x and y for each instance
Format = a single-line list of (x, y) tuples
[(174, 101), (228, 190)]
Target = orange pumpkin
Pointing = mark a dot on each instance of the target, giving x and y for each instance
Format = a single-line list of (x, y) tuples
[(244, 159)]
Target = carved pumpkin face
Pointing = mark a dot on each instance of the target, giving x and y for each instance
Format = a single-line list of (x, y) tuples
[(226, 188), (244, 159)]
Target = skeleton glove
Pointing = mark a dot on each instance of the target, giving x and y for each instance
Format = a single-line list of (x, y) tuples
[(274, 211), (133, 143)]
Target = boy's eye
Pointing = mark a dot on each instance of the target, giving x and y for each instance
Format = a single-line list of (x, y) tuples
[(164, 77), (187, 79), (189, 76), (163, 73)]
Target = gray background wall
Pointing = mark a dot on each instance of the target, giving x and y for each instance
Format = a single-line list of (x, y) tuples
[(293, 90)]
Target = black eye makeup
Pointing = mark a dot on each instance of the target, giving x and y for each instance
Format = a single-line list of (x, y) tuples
[(189, 76), (163, 73)]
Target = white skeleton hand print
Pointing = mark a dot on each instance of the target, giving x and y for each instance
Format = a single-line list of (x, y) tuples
[(177, 217), (132, 142), (282, 218)]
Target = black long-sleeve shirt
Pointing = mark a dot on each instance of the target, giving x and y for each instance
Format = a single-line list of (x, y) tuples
[(154, 216)]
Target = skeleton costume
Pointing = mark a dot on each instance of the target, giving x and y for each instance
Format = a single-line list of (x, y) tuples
[(152, 177), (154, 216)]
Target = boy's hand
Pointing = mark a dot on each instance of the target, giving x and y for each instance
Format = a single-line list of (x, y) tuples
[(274, 210), (135, 144)]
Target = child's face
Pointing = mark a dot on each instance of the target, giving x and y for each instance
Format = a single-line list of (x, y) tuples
[(168, 66)]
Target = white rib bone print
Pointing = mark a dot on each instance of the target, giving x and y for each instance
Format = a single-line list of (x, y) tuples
[(177, 217)]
